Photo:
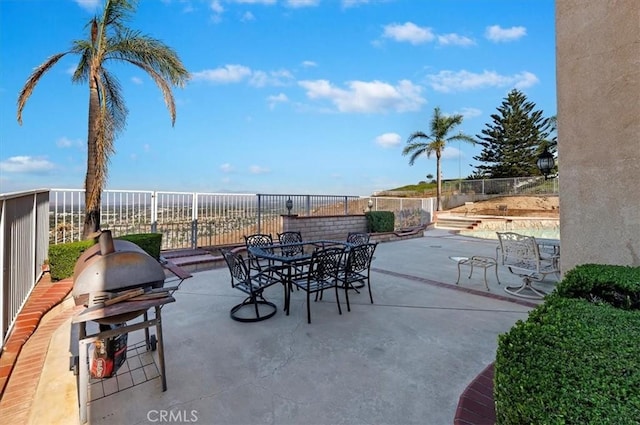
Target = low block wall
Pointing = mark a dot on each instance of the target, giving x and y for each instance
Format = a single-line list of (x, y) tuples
[(335, 227)]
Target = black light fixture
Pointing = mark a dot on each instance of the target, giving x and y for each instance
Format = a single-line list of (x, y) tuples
[(289, 205), (545, 162), (370, 204)]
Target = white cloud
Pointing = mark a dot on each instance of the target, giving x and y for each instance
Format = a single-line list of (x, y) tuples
[(254, 1), (451, 152), (274, 100), (353, 3), (455, 40), (272, 78), (234, 73), (247, 17), (470, 112), (256, 169), (226, 168), (309, 64), (497, 34), (136, 80), (408, 32), (64, 142), (388, 140), (451, 81), (216, 7), (367, 97), (302, 3), (26, 164), (89, 5), (224, 75)]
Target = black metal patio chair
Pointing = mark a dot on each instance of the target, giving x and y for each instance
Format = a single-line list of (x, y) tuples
[(322, 274), (261, 240), (357, 269), (358, 238), (255, 307)]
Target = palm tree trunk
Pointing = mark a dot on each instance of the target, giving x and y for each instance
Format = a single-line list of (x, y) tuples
[(92, 186), (439, 185)]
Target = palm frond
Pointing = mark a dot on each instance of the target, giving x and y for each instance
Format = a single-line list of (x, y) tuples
[(33, 80), (133, 47), (165, 88), (113, 101)]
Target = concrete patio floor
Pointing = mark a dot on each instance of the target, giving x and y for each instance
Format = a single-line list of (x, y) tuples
[(405, 359)]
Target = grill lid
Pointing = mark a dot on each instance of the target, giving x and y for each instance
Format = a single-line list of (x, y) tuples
[(114, 265)]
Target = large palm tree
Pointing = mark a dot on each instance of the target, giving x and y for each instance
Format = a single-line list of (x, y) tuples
[(110, 41), (420, 143)]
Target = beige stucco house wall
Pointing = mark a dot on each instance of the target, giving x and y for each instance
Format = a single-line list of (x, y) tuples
[(598, 87)]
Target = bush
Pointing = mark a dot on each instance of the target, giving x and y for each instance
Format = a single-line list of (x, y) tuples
[(615, 285), (63, 257), (571, 362), (380, 221), (576, 359), (149, 242)]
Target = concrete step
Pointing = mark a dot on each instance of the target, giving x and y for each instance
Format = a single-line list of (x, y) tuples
[(457, 223)]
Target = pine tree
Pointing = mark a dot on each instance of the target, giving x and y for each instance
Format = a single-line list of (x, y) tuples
[(512, 143)]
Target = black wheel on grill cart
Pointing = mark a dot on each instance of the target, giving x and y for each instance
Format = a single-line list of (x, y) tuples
[(152, 344)]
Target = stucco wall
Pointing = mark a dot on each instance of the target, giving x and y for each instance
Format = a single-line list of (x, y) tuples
[(598, 86)]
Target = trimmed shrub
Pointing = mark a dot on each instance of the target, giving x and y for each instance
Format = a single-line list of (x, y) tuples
[(380, 221), (63, 257), (615, 285), (149, 242), (571, 362), (576, 359)]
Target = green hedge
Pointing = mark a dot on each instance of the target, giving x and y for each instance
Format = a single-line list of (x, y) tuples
[(149, 242), (63, 257), (615, 285), (380, 221), (576, 359)]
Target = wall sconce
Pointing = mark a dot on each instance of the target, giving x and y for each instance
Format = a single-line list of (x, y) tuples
[(289, 205), (370, 204)]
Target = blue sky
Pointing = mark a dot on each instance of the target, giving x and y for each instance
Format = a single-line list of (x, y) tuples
[(286, 96)]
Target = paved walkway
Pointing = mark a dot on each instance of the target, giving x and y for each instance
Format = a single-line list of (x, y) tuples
[(419, 346)]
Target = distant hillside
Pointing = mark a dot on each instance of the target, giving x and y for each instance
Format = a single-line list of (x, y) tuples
[(420, 190)]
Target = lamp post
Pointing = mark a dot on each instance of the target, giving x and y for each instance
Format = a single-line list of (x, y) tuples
[(545, 163), (289, 205), (370, 204)]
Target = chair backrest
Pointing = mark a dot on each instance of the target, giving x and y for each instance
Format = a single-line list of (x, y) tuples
[(359, 257), (237, 266), (358, 238), (520, 251), (258, 239), (291, 237), (326, 263)]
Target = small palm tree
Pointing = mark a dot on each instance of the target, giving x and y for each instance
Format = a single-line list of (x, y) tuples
[(420, 143), (110, 41)]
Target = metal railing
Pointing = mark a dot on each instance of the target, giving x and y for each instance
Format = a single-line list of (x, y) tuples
[(191, 219), (535, 185), (24, 245)]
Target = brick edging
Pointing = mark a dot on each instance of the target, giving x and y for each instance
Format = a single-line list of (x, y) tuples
[(476, 405), (44, 296)]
